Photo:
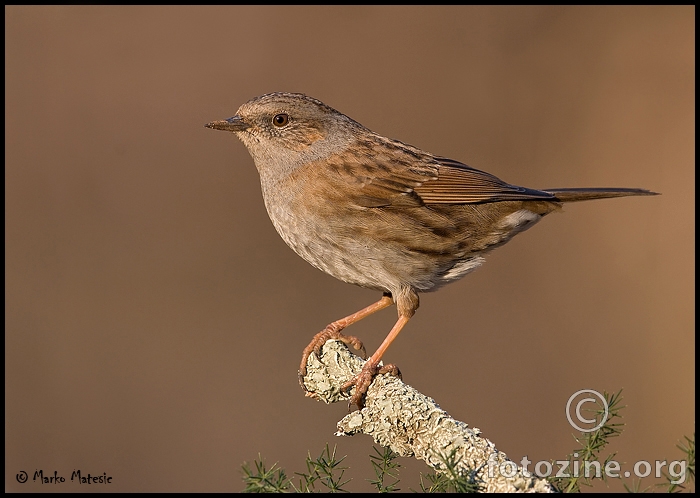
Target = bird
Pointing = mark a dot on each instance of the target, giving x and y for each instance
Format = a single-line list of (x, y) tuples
[(379, 213)]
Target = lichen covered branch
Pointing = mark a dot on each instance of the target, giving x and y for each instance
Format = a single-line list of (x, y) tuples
[(412, 424)]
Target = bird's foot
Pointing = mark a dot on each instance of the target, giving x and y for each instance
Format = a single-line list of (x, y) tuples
[(332, 331), (363, 380)]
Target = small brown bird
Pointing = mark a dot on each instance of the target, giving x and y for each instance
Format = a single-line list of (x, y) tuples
[(377, 212)]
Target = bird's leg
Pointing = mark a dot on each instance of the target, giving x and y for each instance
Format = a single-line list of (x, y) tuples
[(332, 331), (406, 303), (371, 368)]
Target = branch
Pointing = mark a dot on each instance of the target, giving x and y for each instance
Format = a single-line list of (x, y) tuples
[(412, 424)]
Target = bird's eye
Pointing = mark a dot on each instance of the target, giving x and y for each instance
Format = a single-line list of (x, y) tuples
[(280, 120)]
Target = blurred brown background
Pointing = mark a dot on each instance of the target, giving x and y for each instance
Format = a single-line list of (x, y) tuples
[(155, 320)]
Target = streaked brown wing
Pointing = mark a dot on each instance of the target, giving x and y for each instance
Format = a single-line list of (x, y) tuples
[(379, 175), (396, 174), (394, 190), (457, 183)]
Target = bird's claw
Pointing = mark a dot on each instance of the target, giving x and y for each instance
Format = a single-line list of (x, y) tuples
[(330, 332), (363, 380)]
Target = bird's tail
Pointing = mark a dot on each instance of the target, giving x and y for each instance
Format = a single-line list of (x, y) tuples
[(586, 194)]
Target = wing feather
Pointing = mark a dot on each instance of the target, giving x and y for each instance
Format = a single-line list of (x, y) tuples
[(458, 183), (389, 174)]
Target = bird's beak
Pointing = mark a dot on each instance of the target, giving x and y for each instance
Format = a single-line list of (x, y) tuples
[(235, 123)]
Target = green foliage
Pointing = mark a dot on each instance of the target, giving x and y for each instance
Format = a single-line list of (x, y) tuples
[(451, 478), (590, 444), (688, 450), (325, 473), (324, 470), (262, 480), (385, 465)]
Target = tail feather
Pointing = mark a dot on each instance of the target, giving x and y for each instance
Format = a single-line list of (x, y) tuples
[(586, 194)]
